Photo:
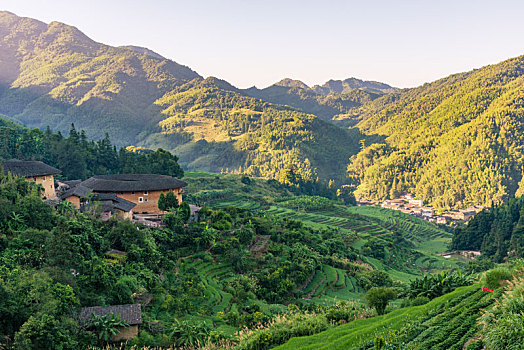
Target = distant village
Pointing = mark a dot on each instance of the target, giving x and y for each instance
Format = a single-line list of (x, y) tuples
[(411, 206)]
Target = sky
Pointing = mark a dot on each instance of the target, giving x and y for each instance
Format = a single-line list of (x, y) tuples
[(404, 43)]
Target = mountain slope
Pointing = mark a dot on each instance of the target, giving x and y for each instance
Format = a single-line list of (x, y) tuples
[(245, 133), (454, 142), (334, 98), (53, 75)]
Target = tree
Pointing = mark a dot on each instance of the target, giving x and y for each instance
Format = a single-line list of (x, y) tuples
[(171, 202), (162, 202), (345, 193), (379, 297)]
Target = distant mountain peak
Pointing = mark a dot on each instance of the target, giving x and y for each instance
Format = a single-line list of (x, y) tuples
[(143, 51), (220, 83), (292, 83), (346, 85)]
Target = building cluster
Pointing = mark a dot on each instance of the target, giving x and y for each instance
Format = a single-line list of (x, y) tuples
[(128, 196), (411, 206)]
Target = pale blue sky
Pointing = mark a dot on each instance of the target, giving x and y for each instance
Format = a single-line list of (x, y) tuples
[(404, 43)]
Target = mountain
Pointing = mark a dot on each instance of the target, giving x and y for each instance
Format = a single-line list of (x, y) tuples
[(54, 75), (453, 142), (336, 99), (345, 86), (211, 125)]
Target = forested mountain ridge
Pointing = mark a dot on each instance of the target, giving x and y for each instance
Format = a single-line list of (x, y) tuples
[(212, 124), (454, 142), (335, 99), (54, 75)]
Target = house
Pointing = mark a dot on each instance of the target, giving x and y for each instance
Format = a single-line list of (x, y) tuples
[(140, 189), (78, 195), (417, 202), (109, 204), (36, 171), (62, 185), (442, 220), (427, 211), (467, 214), (130, 313)]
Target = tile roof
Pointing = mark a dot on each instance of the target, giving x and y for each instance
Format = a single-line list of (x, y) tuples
[(28, 168), (132, 182), (129, 313)]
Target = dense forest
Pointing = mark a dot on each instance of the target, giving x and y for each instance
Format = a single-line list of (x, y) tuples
[(498, 232), (252, 136), (78, 158), (454, 142)]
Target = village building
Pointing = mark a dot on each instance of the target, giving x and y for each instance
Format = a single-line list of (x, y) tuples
[(107, 204), (141, 189), (35, 171), (442, 220), (417, 202), (130, 314)]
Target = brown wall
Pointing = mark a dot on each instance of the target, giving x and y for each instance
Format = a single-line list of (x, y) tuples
[(126, 333), (47, 182), (75, 200), (151, 206)]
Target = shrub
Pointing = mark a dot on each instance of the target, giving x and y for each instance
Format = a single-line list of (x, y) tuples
[(495, 277), (504, 323), (379, 298)]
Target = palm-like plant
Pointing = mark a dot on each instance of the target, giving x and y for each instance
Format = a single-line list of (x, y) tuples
[(106, 326), (432, 286), (187, 334)]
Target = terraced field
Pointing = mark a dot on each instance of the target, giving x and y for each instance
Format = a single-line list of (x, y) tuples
[(447, 322), (329, 285)]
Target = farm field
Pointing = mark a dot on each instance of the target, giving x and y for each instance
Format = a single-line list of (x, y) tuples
[(421, 240), (446, 322)]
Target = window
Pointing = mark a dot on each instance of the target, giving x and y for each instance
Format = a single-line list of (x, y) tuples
[(43, 179), (140, 199), (146, 200), (145, 193), (133, 192)]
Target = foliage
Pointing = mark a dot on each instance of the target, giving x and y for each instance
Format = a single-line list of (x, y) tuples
[(432, 286), (168, 201), (79, 158), (495, 277), (188, 334), (503, 325), (431, 145), (379, 297), (498, 232), (106, 326), (307, 203)]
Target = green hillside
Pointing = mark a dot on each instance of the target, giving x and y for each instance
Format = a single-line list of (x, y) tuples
[(447, 322), (53, 75), (454, 142), (402, 245), (213, 127), (335, 99)]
